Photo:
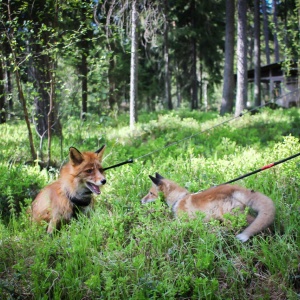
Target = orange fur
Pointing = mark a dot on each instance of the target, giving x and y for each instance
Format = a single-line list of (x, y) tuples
[(79, 179), (215, 202)]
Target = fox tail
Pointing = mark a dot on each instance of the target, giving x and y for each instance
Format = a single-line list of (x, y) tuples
[(265, 209)]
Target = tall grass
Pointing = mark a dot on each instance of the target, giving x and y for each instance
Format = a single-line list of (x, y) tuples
[(126, 250)]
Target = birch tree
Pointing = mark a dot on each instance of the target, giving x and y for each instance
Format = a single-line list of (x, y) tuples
[(2, 96), (166, 56), (241, 94), (117, 11), (257, 90), (133, 65)]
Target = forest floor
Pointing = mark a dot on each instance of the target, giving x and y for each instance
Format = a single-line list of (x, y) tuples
[(127, 250)]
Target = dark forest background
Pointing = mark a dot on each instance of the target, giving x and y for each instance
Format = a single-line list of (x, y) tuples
[(75, 58)]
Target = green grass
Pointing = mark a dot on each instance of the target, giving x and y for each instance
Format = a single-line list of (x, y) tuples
[(126, 250)]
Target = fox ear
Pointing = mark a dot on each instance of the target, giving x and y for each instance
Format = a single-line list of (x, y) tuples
[(158, 176), (155, 180), (100, 152), (75, 156)]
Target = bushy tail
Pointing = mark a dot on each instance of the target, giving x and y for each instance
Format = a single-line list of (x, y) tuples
[(265, 209)]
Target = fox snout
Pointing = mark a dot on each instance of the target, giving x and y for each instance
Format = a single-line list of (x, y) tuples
[(101, 181), (150, 197), (143, 201), (94, 187), (97, 178)]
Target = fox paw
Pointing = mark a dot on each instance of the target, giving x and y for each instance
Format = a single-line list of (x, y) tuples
[(242, 237)]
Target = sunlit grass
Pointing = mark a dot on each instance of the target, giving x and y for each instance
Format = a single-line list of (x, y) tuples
[(126, 250)]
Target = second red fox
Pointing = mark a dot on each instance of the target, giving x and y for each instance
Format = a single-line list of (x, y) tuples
[(215, 202)]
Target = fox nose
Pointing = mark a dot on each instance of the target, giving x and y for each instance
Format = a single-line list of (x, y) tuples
[(103, 181)]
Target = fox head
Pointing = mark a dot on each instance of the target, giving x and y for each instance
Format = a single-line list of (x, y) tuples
[(86, 169), (170, 190), (155, 189)]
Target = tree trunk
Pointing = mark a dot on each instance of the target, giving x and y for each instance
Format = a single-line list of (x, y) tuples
[(228, 77), (241, 95), (50, 112), (52, 84), (276, 45), (195, 101), (84, 85), (23, 101), (40, 74), (266, 31), (201, 84), (205, 98), (9, 90), (84, 48), (7, 75), (10, 38), (257, 90), (2, 94), (133, 66), (111, 83), (166, 58), (178, 87)]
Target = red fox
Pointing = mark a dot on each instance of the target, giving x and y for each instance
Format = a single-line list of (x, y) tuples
[(214, 203), (79, 179)]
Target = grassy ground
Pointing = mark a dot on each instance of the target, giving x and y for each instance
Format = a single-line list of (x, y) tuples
[(126, 250)]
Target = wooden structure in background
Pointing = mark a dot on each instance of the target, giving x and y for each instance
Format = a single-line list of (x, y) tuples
[(279, 83)]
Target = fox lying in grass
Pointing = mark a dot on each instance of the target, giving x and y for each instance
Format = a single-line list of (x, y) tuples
[(79, 179), (215, 202)]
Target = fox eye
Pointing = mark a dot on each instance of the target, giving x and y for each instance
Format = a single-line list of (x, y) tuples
[(89, 171)]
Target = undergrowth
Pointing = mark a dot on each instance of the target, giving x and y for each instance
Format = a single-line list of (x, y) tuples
[(126, 250)]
